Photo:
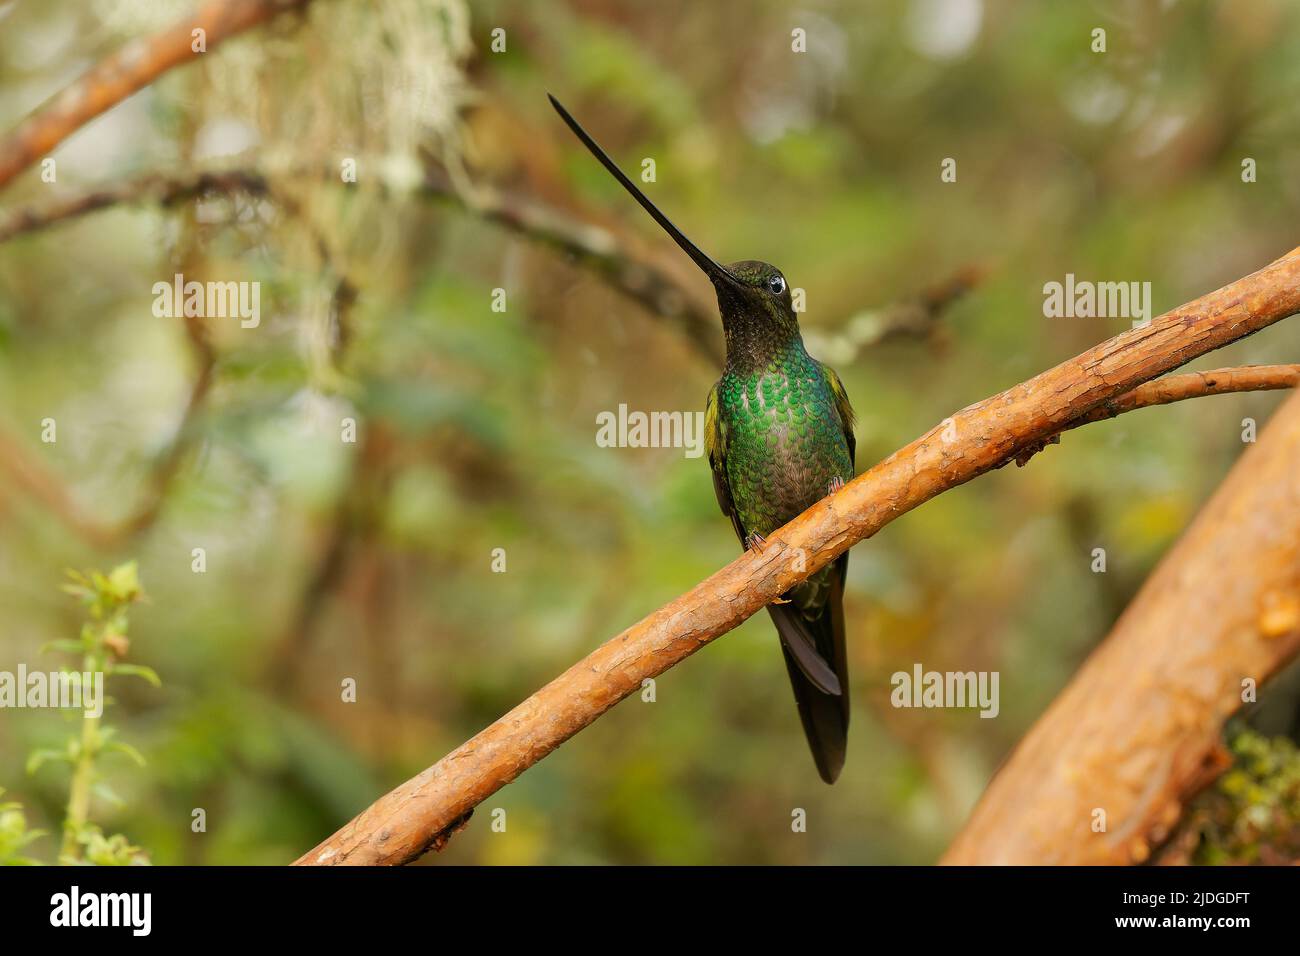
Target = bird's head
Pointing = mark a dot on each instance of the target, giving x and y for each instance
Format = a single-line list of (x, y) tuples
[(753, 297)]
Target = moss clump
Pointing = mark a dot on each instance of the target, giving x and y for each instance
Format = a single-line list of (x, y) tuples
[(1252, 815)]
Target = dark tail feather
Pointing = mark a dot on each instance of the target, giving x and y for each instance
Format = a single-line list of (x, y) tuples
[(798, 640), (825, 716)]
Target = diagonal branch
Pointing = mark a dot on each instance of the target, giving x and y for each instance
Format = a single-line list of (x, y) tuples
[(406, 822), (128, 71), (1103, 775)]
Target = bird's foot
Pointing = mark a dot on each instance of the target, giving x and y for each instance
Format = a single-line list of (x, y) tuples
[(756, 542), (835, 485)]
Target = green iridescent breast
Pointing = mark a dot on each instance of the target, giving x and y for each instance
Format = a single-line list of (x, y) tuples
[(785, 441)]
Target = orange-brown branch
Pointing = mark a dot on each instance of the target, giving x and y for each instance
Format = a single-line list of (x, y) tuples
[(1175, 388), (129, 70), (401, 825)]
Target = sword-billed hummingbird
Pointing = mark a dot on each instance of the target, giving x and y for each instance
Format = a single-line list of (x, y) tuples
[(779, 432)]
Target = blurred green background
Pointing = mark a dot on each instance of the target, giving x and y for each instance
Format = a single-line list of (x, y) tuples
[(476, 429)]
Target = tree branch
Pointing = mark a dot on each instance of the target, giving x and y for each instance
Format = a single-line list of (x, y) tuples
[(165, 190), (1175, 388), (45, 487), (127, 71), (1137, 731), (594, 247), (401, 825)]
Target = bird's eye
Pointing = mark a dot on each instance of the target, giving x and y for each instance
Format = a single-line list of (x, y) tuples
[(776, 285)]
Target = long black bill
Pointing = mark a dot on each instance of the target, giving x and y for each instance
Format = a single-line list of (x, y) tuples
[(710, 267)]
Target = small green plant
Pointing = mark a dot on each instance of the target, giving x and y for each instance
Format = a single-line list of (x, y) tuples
[(14, 835), (102, 646), (1251, 814)]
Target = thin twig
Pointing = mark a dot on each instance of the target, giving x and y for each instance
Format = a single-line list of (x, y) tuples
[(1175, 388), (153, 188)]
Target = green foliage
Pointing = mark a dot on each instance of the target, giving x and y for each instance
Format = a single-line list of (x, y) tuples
[(103, 643), (1250, 816), (99, 850), (14, 835)]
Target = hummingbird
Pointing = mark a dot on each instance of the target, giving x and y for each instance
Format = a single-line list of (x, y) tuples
[(779, 437)]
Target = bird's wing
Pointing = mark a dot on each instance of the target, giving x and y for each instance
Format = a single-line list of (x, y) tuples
[(844, 409), (715, 443), (799, 642)]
